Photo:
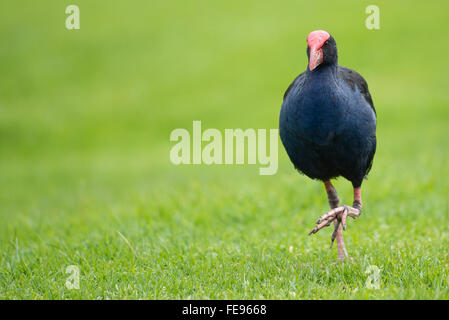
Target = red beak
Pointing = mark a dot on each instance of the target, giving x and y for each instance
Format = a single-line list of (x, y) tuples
[(316, 58)]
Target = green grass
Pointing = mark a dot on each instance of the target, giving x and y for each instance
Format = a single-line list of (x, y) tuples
[(85, 119)]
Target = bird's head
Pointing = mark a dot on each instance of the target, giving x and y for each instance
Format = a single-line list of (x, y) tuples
[(321, 49)]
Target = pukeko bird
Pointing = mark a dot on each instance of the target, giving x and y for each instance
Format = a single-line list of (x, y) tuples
[(327, 125)]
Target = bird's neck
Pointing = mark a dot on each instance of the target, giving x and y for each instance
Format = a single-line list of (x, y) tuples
[(322, 79), (323, 73)]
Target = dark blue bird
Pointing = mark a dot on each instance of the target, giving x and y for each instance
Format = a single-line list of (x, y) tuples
[(328, 128)]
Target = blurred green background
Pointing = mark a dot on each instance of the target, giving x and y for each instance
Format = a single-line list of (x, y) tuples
[(85, 120)]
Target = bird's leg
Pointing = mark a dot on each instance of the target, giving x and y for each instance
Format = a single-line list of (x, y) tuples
[(338, 215), (332, 196)]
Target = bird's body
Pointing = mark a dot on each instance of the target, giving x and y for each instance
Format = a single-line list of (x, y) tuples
[(328, 128), (328, 124)]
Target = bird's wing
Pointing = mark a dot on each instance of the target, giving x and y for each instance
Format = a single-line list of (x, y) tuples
[(371, 157), (352, 78), (299, 80)]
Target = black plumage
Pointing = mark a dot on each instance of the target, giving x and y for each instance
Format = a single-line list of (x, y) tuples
[(328, 122)]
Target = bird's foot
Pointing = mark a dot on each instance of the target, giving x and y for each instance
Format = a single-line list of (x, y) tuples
[(339, 215)]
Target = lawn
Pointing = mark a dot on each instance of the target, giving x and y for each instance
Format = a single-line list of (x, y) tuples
[(86, 179)]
